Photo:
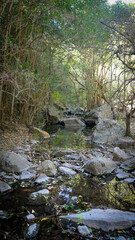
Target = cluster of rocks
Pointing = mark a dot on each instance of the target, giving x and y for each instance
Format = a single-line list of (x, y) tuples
[(120, 160)]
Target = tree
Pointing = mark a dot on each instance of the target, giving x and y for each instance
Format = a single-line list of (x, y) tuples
[(122, 48)]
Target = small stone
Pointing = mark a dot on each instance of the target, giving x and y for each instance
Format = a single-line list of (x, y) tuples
[(3, 214), (67, 171), (121, 238), (32, 231), (4, 187), (129, 180), (42, 178), (122, 175), (133, 173), (83, 230), (30, 217), (26, 175)]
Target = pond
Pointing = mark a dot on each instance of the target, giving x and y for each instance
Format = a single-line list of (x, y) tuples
[(72, 138)]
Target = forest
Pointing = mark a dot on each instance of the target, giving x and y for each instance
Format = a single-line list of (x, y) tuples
[(67, 120), (76, 52)]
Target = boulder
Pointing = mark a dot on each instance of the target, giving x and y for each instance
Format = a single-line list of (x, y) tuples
[(41, 133), (73, 122), (99, 166), (94, 116), (126, 142), (105, 219), (52, 114), (48, 168), (119, 155), (13, 162), (107, 131)]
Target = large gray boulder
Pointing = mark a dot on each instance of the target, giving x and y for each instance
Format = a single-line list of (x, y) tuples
[(48, 168), (100, 166), (13, 162), (94, 116), (73, 122), (105, 219), (107, 131)]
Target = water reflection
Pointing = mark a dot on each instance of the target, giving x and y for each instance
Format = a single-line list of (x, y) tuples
[(69, 138), (111, 194)]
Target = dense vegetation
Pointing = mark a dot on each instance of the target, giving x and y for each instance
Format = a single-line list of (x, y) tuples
[(78, 52)]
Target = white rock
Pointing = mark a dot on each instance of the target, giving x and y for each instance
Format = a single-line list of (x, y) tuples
[(67, 171), (83, 230)]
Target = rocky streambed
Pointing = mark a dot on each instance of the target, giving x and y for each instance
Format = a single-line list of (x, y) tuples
[(68, 193)]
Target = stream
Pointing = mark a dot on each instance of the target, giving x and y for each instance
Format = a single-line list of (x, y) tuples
[(72, 194)]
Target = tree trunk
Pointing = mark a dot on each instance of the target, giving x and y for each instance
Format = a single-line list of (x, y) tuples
[(128, 124)]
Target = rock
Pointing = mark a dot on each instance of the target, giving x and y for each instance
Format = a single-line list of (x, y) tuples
[(129, 164), (126, 142), (122, 175), (40, 132), (69, 165), (61, 153), (73, 123), (48, 168), (52, 115), (4, 187), (43, 192), (13, 162), (107, 131), (106, 219), (121, 238), (3, 214), (42, 178), (75, 157), (30, 217), (83, 230), (32, 231), (27, 175), (67, 171), (99, 166), (129, 180), (119, 155), (94, 116)]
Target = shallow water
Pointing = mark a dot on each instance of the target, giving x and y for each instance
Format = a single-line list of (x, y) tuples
[(75, 194), (69, 138)]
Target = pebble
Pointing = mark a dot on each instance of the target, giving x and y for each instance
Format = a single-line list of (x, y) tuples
[(32, 231), (4, 187), (83, 230), (30, 217), (129, 180), (27, 175), (121, 238), (42, 178)]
